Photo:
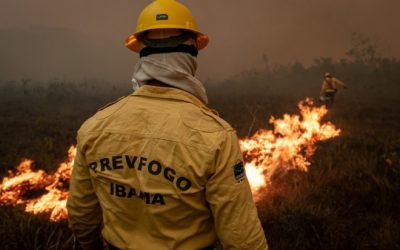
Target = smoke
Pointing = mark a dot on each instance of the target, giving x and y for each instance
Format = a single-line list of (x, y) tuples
[(84, 39), (44, 53)]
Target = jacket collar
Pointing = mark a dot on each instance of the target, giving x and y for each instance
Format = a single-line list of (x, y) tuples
[(168, 93)]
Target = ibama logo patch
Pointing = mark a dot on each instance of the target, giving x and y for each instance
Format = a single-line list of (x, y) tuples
[(239, 172)]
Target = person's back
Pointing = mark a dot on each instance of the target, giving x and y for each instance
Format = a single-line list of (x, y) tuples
[(153, 158), (329, 88), (158, 169)]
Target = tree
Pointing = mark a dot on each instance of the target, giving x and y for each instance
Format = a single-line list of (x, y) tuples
[(363, 48)]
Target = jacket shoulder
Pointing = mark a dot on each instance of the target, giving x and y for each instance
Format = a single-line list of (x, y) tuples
[(205, 120), (220, 121), (102, 113), (111, 103)]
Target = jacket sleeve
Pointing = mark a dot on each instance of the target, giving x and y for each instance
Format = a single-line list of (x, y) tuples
[(338, 82), (84, 212), (231, 202)]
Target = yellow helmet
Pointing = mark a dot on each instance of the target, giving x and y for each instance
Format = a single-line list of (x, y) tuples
[(165, 14)]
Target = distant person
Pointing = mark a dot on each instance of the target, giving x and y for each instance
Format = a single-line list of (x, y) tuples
[(158, 169), (329, 89)]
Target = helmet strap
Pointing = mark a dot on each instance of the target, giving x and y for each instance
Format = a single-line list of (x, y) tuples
[(185, 48)]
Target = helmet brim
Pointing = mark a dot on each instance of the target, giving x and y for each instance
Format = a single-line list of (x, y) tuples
[(133, 42)]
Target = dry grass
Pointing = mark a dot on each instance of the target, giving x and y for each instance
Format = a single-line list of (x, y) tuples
[(349, 199)]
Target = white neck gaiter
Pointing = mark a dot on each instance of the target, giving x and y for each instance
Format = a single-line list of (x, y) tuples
[(174, 69)]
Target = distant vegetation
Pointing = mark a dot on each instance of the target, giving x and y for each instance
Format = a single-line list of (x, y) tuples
[(349, 199)]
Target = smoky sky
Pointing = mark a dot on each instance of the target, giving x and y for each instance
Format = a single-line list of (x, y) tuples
[(43, 39)]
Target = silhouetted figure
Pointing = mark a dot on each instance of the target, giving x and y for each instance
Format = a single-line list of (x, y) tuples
[(329, 89)]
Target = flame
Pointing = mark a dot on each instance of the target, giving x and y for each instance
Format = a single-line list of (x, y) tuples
[(288, 146), (17, 188), (267, 153)]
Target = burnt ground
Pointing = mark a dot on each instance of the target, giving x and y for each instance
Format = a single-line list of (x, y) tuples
[(347, 200)]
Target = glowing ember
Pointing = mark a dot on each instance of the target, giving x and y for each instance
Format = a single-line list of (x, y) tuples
[(288, 146), (20, 187)]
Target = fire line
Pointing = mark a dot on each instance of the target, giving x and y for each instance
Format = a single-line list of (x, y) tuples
[(288, 146)]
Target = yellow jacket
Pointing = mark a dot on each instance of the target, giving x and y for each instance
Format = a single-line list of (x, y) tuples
[(159, 170), (331, 84)]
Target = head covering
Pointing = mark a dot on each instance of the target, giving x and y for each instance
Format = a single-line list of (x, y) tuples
[(175, 69)]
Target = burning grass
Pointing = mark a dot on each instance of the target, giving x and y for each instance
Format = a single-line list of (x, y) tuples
[(289, 146), (267, 153), (347, 199), (38, 191)]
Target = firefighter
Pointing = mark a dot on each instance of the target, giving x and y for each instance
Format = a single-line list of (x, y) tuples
[(329, 89), (158, 169)]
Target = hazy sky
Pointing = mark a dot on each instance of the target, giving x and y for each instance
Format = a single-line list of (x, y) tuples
[(84, 38)]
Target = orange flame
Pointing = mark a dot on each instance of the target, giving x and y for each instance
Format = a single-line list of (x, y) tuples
[(17, 188), (288, 146), (267, 153)]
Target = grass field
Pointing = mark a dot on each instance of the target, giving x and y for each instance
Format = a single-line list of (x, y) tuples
[(349, 198)]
